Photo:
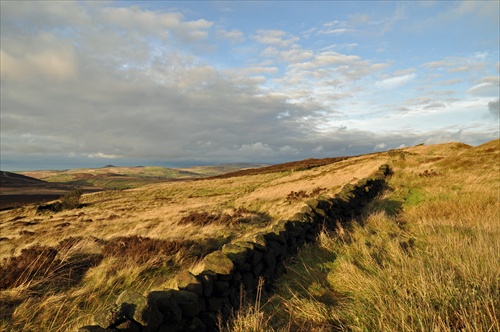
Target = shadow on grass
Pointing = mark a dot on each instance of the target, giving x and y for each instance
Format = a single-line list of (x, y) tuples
[(391, 207), (306, 291)]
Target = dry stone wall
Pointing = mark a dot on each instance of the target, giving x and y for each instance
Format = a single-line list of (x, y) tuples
[(238, 266)]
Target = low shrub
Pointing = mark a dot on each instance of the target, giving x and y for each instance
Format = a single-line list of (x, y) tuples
[(239, 215), (141, 249), (72, 199), (301, 194), (39, 266), (69, 201), (31, 264)]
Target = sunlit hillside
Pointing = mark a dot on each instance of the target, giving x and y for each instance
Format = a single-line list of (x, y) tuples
[(119, 177), (425, 256), (59, 268)]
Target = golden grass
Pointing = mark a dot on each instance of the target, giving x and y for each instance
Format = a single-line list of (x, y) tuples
[(152, 211), (155, 210), (425, 258), (447, 218)]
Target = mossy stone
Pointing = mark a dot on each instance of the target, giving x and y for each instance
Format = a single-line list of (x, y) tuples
[(138, 308), (112, 316), (236, 254), (219, 263), (187, 281)]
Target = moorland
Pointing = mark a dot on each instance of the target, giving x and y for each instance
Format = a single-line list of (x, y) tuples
[(423, 256), (39, 186)]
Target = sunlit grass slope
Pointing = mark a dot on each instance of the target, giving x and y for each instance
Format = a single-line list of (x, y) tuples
[(58, 269), (425, 257)]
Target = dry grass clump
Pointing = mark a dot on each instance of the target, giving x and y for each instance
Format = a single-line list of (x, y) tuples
[(28, 266), (80, 275), (252, 319), (204, 218), (237, 216), (39, 267), (141, 249), (301, 194)]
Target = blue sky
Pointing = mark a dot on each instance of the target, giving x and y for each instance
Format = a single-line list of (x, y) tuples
[(206, 82)]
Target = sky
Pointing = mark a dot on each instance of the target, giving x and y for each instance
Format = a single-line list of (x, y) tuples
[(171, 83)]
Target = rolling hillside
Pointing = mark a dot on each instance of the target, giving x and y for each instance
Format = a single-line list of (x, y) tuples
[(139, 238), (120, 177)]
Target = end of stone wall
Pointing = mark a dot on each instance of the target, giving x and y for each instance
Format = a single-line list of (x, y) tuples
[(215, 291)]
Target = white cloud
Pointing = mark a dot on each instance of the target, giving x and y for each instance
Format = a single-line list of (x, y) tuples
[(347, 46), (394, 82), (278, 38), (234, 36), (291, 55), (329, 59), (359, 19), (405, 72), (484, 89), (335, 32), (451, 81), (460, 69), (243, 73), (259, 149), (103, 155), (435, 64), (491, 79), (470, 64), (137, 21)]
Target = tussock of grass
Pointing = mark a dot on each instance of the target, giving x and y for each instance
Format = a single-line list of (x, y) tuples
[(250, 320)]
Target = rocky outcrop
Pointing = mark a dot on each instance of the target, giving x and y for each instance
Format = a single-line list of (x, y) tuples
[(239, 265)]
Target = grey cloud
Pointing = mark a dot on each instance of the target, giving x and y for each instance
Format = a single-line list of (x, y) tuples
[(485, 89), (494, 108), (434, 106), (125, 113), (114, 83)]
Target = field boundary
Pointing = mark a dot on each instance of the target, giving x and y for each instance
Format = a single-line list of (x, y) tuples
[(239, 267)]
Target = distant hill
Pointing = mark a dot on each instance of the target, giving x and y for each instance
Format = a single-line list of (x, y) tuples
[(284, 167), (121, 177), (8, 179), (17, 190)]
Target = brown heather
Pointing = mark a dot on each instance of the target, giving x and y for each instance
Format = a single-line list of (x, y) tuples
[(425, 256)]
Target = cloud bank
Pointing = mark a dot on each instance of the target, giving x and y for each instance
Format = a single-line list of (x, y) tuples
[(84, 82)]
